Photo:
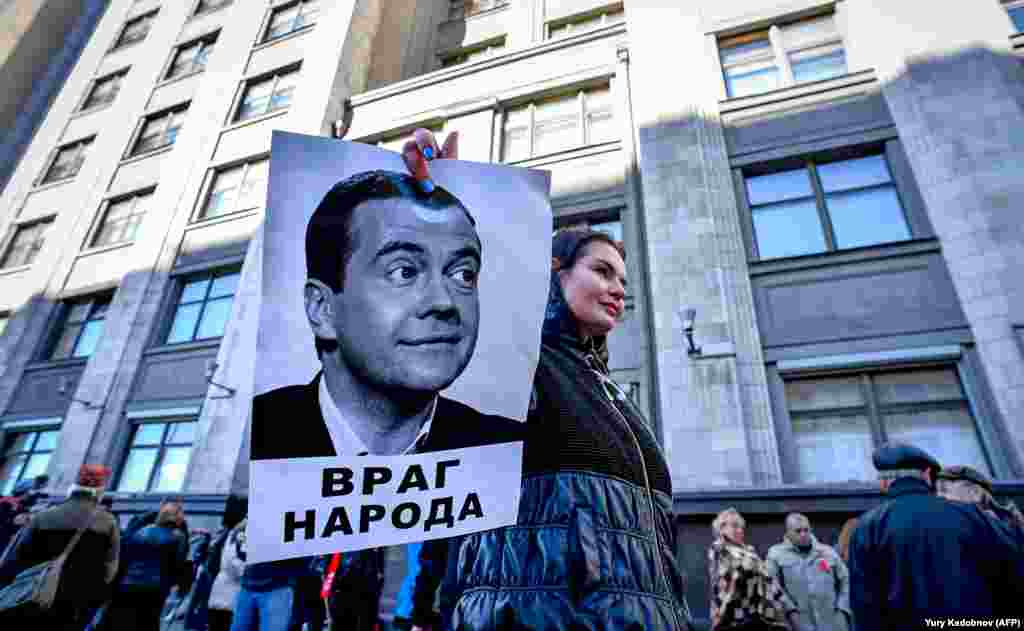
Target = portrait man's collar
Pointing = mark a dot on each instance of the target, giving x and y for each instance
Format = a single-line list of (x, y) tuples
[(345, 439)]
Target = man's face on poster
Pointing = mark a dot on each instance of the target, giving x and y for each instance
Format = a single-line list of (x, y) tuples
[(408, 313)]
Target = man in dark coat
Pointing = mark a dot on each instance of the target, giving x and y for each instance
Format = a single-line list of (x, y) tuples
[(919, 556), (91, 565)]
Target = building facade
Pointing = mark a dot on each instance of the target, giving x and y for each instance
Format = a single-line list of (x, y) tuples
[(830, 185)]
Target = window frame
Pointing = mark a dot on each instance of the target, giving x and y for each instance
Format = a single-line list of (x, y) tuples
[(462, 9), (81, 146), (61, 322), (169, 113), (1014, 5), (872, 409), (491, 48), (12, 237), (117, 75), (809, 162), (178, 283), (247, 84), (207, 44), (198, 9), (266, 37), (573, 22), (120, 42), (101, 217), (6, 434), (773, 34), (211, 180), (530, 106), (135, 425)]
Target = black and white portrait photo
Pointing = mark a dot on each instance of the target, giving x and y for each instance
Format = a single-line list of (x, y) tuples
[(395, 321)]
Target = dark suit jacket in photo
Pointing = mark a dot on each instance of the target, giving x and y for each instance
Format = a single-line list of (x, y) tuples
[(287, 423)]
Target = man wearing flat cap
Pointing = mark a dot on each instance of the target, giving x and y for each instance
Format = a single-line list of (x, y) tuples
[(919, 556), (961, 483)]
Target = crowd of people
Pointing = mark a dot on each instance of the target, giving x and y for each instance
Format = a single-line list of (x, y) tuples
[(595, 543)]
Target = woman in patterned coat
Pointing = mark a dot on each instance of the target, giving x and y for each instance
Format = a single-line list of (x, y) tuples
[(744, 596)]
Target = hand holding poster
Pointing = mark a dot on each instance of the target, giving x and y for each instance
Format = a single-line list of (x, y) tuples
[(378, 296)]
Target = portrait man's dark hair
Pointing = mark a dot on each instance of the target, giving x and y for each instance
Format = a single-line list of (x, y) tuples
[(330, 240)]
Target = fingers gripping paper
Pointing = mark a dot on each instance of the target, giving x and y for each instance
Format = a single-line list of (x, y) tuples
[(398, 336)]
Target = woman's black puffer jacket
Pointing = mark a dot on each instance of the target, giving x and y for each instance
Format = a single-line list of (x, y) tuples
[(593, 545)]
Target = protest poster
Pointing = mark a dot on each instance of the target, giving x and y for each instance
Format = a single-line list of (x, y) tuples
[(395, 326)]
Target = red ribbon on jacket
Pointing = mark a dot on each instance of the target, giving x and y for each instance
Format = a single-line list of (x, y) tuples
[(332, 569)]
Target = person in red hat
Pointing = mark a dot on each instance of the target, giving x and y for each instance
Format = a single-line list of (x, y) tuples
[(90, 566)]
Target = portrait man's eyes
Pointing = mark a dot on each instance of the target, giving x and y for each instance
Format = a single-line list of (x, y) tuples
[(464, 272)]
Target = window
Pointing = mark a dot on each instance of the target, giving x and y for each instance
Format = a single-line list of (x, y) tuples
[(203, 307), (458, 9), (808, 50), (1016, 10), (135, 30), (267, 95), (292, 17), (158, 457), (160, 130), (584, 118), (839, 420), (104, 90), (25, 245), (236, 189), (589, 22), (81, 328), (121, 219), (26, 455), (825, 206), (210, 5), (474, 54), (67, 161), (191, 58)]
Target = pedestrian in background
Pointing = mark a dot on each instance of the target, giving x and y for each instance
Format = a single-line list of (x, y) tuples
[(813, 576), (961, 483), (920, 556), (198, 616), (155, 560), (744, 594), (89, 567)]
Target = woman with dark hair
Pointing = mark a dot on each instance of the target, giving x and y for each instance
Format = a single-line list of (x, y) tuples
[(593, 545)]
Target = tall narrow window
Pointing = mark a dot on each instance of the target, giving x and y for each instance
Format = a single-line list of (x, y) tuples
[(458, 9), (104, 90), (67, 161), (135, 30), (160, 130), (560, 123), (158, 457), (292, 17), (25, 456), (588, 22), (121, 219), (825, 206), (191, 58), (1015, 9), (797, 52), (476, 53), (81, 327), (203, 307), (268, 94), (237, 188), (26, 243)]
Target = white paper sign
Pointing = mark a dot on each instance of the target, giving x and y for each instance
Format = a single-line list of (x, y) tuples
[(317, 506)]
